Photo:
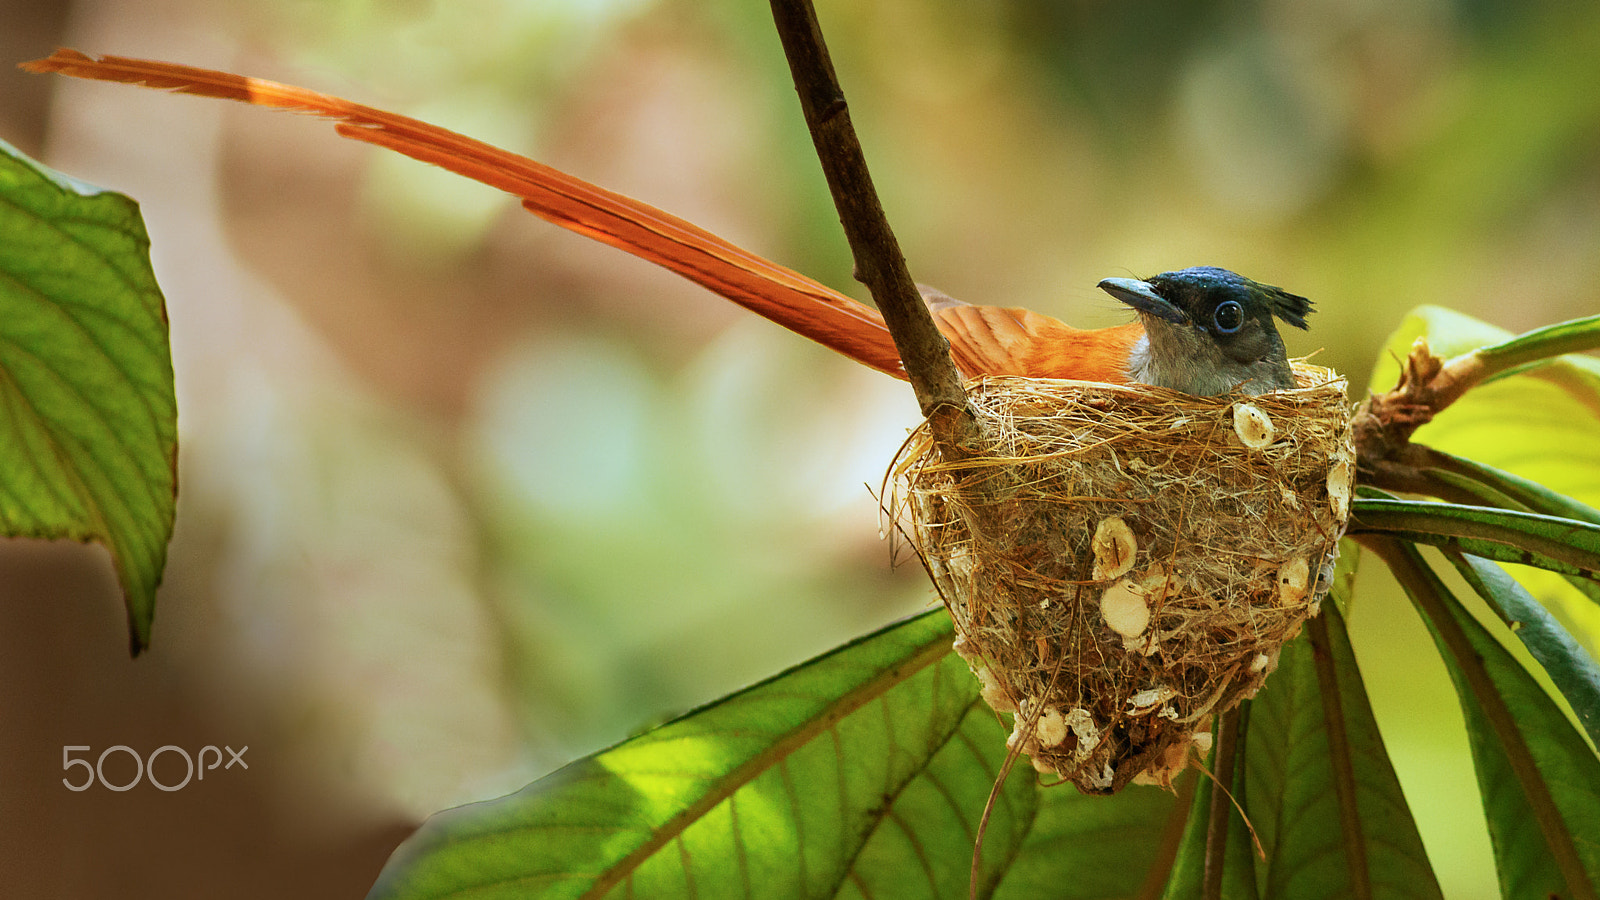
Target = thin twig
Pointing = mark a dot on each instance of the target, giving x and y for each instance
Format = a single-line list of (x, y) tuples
[(983, 821), (879, 263)]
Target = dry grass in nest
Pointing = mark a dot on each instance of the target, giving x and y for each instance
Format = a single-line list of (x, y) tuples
[(1123, 562)]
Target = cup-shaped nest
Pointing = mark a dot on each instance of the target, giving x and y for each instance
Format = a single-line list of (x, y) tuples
[(1123, 562)]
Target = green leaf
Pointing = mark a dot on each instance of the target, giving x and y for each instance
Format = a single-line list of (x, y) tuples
[(1321, 791), (88, 422), (861, 773), (1318, 787), (1571, 670), (1548, 542), (1539, 780), (1064, 853), (1496, 487)]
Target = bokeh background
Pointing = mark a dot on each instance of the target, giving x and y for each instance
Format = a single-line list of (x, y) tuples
[(465, 496)]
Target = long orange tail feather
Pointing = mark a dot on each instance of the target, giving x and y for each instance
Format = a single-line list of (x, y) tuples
[(782, 295), (983, 339)]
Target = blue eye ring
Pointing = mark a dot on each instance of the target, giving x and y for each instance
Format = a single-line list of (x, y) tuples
[(1228, 317)]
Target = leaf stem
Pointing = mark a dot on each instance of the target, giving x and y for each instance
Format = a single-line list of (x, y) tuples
[(1573, 336), (1550, 542), (1526, 494), (1155, 881)]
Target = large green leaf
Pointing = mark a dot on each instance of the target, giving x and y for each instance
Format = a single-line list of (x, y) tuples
[(1316, 783), (88, 423), (861, 773), (1320, 789), (1539, 780), (1095, 848)]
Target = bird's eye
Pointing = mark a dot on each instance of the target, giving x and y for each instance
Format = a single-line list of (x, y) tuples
[(1228, 316)]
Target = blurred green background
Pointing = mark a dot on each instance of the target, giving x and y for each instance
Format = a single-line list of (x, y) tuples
[(465, 496)]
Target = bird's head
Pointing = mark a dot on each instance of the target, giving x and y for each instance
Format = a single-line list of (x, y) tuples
[(1210, 331)]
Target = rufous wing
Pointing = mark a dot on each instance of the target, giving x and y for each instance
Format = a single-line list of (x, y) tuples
[(1010, 340)]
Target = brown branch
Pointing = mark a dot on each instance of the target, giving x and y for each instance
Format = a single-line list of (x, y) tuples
[(1411, 469), (879, 263), (1385, 456), (1384, 424)]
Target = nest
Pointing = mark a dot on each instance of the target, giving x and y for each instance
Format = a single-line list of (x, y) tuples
[(1123, 562)]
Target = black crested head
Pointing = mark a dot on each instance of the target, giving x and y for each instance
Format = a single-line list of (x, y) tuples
[(1210, 330), (1199, 289)]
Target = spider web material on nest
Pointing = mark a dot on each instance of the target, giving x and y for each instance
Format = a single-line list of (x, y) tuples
[(1123, 562)]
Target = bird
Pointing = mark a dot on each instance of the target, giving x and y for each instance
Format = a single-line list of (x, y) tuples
[(1203, 331)]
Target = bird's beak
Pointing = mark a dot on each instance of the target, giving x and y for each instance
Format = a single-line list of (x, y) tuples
[(1139, 295)]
